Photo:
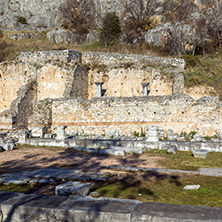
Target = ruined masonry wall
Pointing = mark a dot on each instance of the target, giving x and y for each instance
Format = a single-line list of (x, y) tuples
[(113, 116), (126, 82), (52, 72), (122, 74), (50, 69), (51, 81), (56, 56), (13, 75), (120, 59)]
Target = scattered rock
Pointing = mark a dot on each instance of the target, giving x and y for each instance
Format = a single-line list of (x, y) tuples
[(181, 138), (60, 131), (171, 136), (131, 150), (197, 138), (113, 152), (192, 187), (94, 194), (86, 149), (172, 149), (7, 144), (65, 37), (217, 140), (40, 181), (72, 188), (92, 37), (25, 35), (200, 153), (152, 134), (15, 181)]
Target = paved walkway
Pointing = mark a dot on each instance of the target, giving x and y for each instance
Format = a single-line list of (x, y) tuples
[(47, 174), (203, 171)]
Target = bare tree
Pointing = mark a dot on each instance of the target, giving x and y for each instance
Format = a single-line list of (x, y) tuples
[(213, 16), (178, 10), (201, 33), (137, 16), (77, 15), (180, 39)]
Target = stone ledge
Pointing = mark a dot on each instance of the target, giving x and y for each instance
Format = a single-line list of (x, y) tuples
[(17, 207)]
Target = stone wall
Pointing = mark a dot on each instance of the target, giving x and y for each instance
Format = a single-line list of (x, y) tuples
[(40, 58), (126, 82), (119, 116), (51, 82), (41, 119), (122, 74), (77, 83), (121, 59), (18, 207), (23, 106), (55, 74), (67, 79), (6, 120), (13, 75)]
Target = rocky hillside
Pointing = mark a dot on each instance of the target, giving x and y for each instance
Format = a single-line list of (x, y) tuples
[(44, 13)]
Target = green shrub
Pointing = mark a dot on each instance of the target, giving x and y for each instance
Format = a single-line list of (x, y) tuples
[(22, 20), (191, 61), (111, 29)]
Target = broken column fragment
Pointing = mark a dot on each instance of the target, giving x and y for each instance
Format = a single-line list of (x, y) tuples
[(144, 88), (99, 89)]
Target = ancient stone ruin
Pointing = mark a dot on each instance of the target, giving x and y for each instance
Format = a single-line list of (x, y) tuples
[(102, 95)]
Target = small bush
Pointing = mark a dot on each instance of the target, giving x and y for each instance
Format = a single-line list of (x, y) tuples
[(136, 134), (1, 34), (22, 20), (111, 29), (191, 61)]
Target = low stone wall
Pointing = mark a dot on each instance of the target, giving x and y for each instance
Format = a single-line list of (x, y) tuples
[(17, 207), (50, 142), (120, 116), (120, 59), (104, 144), (43, 57)]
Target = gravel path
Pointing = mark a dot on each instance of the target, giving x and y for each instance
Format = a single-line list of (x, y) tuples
[(30, 158)]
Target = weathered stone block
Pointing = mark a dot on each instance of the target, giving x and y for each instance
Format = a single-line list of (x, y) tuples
[(130, 150), (72, 188), (172, 149), (113, 152), (152, 134), (60, 131), (200, 153), (89, 209), (192, 187)]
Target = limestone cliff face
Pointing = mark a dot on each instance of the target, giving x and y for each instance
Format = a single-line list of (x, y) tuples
[(45, 13), (42, 13)]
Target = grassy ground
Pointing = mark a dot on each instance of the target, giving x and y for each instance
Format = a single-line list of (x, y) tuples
[(151, 187), (47, 189), (168, 188), (185, 160), (204, 70), (164, 188)]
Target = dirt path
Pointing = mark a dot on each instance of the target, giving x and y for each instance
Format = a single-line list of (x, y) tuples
[(28, 158)]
